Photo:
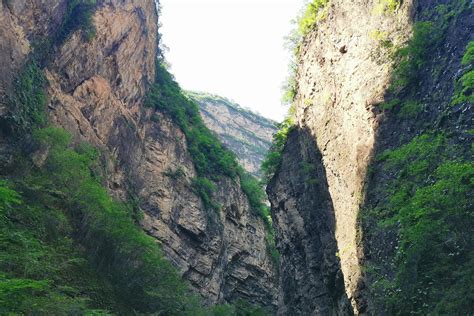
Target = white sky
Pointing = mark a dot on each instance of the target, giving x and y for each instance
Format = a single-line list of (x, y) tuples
[(233, 48)]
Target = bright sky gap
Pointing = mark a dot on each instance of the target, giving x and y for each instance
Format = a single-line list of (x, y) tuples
[(231, 48)]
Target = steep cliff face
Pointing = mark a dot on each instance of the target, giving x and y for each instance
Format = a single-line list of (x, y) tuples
[(311, 281), (96, 87), (350, 67), (338, 85), (247, 134)]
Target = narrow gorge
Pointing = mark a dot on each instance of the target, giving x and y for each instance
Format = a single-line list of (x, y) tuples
[(121, 193)]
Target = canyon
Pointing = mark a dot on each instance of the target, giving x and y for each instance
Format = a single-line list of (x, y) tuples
[(119, 192)]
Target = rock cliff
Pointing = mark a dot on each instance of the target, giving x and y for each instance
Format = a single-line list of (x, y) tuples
[(247, 134), (351, 66), (96, 87)]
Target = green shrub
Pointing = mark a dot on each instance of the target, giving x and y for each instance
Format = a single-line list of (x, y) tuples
[(273, 159), (468, 58), (314, 12), (429, 205), (78, 17), (210, 158), (410, 59), (387, 6), (175, 174), (29, 100), (205, 188), (464, 89), (410, 108)]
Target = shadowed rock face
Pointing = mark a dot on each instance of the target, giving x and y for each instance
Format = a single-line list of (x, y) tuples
[(340, 77), (343, 75), (96, 90), (247, 134), (311, 281)]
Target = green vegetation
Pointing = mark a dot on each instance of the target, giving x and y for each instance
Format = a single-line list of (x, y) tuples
[(78, 17), (205, 188), (410, 108), (211, 160), (409, 60), (273, 160), (68, 248), (464, 87), (468, 58), (116, 264), (29, 100), (387, 6), (430, 207), (315, 12)]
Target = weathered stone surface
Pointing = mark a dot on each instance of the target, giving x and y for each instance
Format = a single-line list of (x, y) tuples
[(311, 281), (96, 89), (247, 134), (20, 22), (342, 73)]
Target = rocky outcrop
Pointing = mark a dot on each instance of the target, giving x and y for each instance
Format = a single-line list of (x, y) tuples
[(334, 104), (311, 281), (345, 67), (96, 90), (21, 22), (247, 134)]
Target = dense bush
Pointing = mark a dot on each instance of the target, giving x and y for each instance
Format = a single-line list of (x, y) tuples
[(210, 158), (387, 6), (205, 188), (468, 58), (464, 87), (411, 58), (78, 17), (314, 12), (430, 208), (115, 247), (67, 247), (28, 101), (273, 159)]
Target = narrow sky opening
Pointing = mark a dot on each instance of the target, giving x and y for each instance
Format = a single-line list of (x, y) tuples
[(231, 48)]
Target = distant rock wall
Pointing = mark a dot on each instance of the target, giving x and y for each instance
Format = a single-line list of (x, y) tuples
[(247, 134)]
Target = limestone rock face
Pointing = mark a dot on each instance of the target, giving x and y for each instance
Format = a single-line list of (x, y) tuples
[(96, 90), (247, 134), (344, 71), (341, 75), (20, 22), (311, 281)]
